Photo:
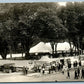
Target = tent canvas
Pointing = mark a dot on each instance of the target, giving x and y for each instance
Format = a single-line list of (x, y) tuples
[(64, 46), (46, 47), (41, 48)]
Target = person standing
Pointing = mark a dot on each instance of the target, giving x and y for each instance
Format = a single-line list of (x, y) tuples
[(57, 66), (24, 70), (81, 73), (40, 68), (43, 69), (79, 63), (76, 76), (49, 70), (68, 74), (78, 72), (76, 64)]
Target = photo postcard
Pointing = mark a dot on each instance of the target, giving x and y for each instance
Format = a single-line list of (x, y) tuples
[(42, 42)]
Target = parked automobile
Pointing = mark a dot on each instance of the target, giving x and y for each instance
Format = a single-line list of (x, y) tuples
[(8, 68)]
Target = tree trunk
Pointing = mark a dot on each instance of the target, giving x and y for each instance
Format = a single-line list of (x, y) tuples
[(11, 54), (71, 51), (27, 55), (52, 45), (3, 56), (75, 49), (56, 48), (22, 54), (27, 46)]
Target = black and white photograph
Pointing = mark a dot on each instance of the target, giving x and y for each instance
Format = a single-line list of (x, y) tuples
[(42, 42)]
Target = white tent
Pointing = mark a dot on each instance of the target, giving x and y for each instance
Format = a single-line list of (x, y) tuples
[(46, 59), (46, 47), (65, 46), (41, 48)]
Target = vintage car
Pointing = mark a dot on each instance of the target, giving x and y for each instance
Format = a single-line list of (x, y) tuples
[(8, 68)]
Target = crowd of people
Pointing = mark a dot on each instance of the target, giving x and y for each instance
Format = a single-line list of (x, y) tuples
[(52, 67), (75, 64), (78, 73), (58, 67)]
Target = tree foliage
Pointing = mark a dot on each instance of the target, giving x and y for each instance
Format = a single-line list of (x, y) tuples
[(72, 17), (29, 23)]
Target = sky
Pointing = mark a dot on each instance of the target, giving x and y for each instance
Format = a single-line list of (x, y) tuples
[(62, 3)]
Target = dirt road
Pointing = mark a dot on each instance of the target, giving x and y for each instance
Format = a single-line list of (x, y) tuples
[(37, 77)]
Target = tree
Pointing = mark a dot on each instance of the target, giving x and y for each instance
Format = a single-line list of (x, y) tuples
[(79, 7), (52, 29), (3, 36), (30, 23), (73, 18), (69, 16), (37, 23)]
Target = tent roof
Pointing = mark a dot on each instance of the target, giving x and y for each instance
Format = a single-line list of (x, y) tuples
[(46, 47), (41, 47), (63, 46)]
